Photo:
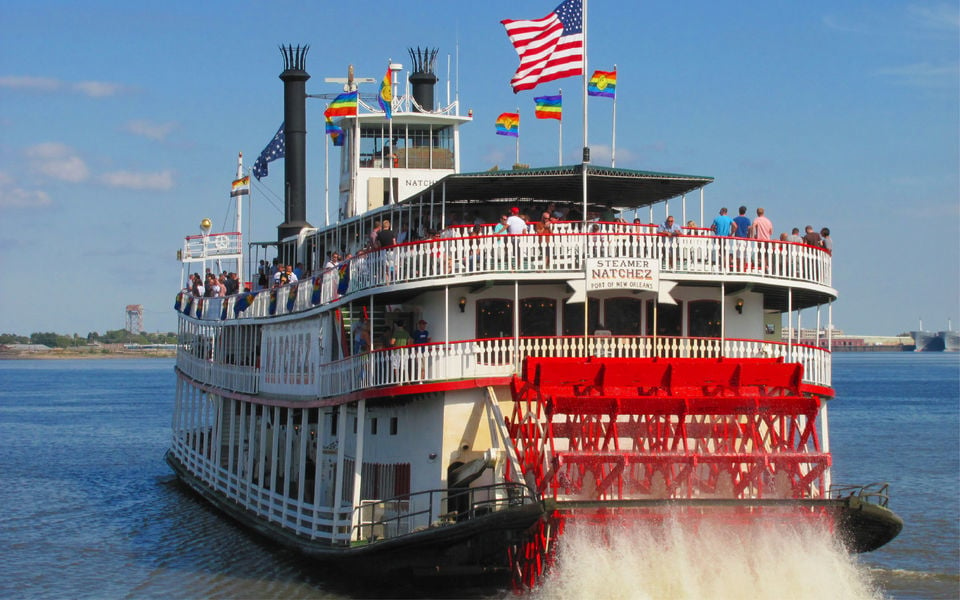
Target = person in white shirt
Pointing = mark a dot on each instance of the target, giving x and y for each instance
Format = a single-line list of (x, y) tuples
[(515, 224)]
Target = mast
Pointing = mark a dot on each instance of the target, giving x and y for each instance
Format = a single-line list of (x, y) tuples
[(240, 221)]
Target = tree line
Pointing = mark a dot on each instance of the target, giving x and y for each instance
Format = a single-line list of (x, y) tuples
[(117, 336)]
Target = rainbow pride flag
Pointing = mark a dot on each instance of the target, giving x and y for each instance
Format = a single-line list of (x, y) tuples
[(603, 83), (549, 107), (344, 105), (508, 124), (385, 97)]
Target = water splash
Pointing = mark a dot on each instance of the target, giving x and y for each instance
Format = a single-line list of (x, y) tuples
[(677, 560)]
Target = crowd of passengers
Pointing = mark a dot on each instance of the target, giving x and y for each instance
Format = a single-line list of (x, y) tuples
[(760, 228), (212, 285), (513, 221)]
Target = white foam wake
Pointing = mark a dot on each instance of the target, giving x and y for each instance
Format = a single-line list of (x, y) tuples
[(708, 560)]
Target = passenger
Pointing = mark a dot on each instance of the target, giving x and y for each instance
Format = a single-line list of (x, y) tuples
[(515, 224), (812, 238), (723, 225), (826, 240), (386, 236), (669, 228), (420, 334), (544, 227), (742, 222), (374, 233), (501, 227), (280, 271), (762, 227), (795, 236), (291, 274), (197, 287), (262, 281), (211, 287), (232, 284), (400, 338)]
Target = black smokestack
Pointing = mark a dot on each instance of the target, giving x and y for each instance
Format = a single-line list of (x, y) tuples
[(295, 130), (423, 78)]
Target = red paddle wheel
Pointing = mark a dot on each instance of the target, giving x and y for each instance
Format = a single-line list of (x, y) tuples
[(601, 436)]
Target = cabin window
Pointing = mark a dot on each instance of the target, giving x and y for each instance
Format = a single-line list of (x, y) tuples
[(622, 315), (669, 318), (573, 317), (703, 318), (494, 318), (373, 426), (538, 317), (394, 423)]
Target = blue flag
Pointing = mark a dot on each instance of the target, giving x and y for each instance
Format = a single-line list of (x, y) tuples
[(273, 151)]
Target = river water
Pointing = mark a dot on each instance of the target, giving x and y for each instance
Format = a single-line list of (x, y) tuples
[(90, 510)]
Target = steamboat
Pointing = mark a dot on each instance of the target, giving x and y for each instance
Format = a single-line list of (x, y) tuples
[(447, 404)]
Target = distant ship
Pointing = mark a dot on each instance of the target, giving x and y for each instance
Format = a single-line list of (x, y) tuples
[(927, 341), (950, 338)]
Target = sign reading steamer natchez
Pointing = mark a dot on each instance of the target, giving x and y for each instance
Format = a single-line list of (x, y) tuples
[(623, 274)]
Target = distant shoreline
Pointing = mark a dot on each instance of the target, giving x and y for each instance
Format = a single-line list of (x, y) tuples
[(64, 354)]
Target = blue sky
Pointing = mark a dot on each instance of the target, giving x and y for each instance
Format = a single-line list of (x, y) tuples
[(120, 124)]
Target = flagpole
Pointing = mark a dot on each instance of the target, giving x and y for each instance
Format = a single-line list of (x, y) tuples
[(613, 150), (517, 162), (586, 145), (583, 169), (560, 149), (326, 177), (240, 219), (390, 129)]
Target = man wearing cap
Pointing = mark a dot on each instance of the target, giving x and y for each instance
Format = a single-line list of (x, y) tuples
[(515, 224)]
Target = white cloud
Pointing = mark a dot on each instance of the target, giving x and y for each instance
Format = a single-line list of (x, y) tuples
[(93, 89), (21, 198), (153, 131), (40, 84), (57, 161), (98, 89), (139, 181)]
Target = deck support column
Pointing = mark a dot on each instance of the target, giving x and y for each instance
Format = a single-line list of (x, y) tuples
[(358, 466)]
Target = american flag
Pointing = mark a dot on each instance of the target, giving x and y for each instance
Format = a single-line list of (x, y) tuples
[(549, 48), (274, 150)]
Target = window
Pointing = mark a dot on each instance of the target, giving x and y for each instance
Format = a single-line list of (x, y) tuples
[(703, 318), (394, 422), (373, 426), (494, 318), (538, 317), (622, 315), (669, 318), (573, 317)]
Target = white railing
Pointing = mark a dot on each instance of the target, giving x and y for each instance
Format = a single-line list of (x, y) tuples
[(229, 377), (213, 245), (448, 258), (498, 357)]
